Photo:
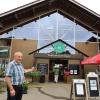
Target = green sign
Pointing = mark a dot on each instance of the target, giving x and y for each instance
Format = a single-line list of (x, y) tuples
[(59, 47)]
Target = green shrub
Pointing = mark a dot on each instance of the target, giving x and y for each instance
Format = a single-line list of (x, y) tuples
[(34, 75), (25, 87), (2, 73)]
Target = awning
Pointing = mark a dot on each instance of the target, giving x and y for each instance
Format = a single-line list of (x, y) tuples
[(92, 60)]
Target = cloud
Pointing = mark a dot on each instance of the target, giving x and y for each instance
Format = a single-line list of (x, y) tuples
[(94, 5), (6, 5)]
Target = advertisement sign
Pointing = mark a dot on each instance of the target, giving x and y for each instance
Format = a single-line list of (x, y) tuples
[(93, 87), (43, 68), (59, 47), (93, 84), (79, 87)]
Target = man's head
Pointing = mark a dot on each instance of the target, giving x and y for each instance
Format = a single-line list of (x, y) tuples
[(18, 57)]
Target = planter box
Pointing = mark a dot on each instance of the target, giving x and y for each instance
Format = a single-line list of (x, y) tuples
[(34, 75)]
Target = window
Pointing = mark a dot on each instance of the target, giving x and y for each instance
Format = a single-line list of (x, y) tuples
[(43, 68), (74, 69), (4, 52)]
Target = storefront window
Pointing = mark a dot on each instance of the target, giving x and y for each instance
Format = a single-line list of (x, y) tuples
[(4, 52), (43, 68), (74, 69)]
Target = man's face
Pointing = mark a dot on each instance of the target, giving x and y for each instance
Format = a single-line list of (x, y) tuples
[(18, 57)]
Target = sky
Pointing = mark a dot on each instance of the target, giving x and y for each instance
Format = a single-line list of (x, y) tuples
[(91, 4), (6, 5)]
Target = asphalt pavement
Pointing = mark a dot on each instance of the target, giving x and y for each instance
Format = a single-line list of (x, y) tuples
[(47, 91)]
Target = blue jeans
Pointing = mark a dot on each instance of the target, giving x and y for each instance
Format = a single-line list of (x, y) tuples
[(18, 93)]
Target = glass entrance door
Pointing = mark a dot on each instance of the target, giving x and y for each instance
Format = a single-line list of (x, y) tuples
[(62, 64)]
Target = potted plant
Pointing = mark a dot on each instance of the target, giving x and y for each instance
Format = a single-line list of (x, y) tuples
[(25, 87)]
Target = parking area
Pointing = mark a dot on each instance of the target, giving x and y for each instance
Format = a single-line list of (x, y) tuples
[(47, 91)]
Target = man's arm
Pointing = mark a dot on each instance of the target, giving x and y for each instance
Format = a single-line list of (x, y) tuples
[(29, 70), (8, 82)]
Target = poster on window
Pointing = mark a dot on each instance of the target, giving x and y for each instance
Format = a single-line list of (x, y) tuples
[(75, 72), (71, 72), (74, 69)]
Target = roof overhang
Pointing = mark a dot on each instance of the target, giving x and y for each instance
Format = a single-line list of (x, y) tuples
[(41, 8), (58, 56)]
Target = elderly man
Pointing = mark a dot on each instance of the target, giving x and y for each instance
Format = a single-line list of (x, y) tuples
[(15, 76)]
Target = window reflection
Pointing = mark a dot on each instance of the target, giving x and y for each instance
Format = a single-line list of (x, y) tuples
[(51, 28)]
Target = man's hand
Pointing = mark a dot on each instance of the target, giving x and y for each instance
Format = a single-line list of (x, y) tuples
[(30, 70), (12, 92), (34, 68), (9, 85)]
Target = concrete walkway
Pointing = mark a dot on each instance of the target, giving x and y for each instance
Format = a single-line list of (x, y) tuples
[(47, 91)]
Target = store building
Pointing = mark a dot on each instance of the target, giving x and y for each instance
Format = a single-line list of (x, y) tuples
[(38, 24)]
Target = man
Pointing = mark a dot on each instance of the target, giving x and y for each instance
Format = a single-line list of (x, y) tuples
[(15, 76), (56, 72)]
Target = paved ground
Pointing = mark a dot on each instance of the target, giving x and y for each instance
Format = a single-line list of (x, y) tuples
[(47, 91)]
